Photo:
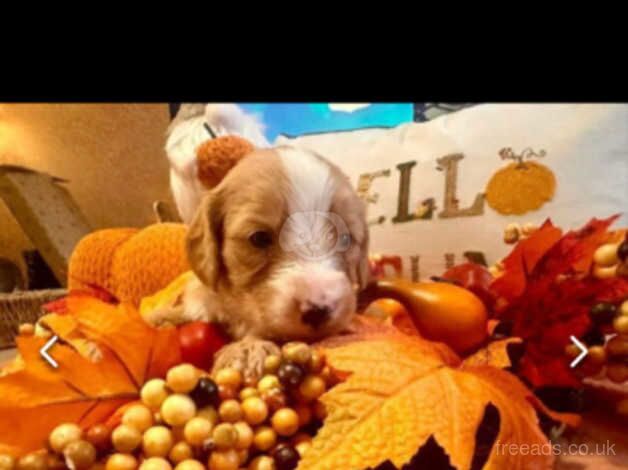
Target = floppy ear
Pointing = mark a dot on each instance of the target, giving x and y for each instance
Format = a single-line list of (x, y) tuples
[(203, 240), (363, 269)]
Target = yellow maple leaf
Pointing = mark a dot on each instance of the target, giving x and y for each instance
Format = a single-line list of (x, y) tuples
[(402, 391)]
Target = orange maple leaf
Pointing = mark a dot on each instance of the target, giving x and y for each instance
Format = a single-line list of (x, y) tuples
[(105, 354), (402, 391)]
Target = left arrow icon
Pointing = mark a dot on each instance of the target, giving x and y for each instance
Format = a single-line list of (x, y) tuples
[(44, 352)]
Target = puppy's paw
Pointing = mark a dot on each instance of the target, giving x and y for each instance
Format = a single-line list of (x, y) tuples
[(165, 316), (246, 355)]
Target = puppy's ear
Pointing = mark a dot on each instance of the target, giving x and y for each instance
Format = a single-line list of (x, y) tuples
[(364, 269), (203, 240)]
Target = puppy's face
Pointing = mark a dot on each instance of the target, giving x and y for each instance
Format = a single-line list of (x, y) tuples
[(283, 243)]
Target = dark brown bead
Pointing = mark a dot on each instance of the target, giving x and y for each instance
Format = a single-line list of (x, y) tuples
[(286, 457), (290, 374)]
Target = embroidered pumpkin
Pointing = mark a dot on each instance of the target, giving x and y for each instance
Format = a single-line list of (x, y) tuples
[(521, 186)]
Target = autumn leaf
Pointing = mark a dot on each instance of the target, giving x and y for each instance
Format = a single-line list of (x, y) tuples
[(548, 291), (523, 259), (402, 392), (495, 354), (105, 354)]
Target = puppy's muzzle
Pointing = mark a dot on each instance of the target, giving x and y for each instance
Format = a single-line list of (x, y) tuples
[(316, 315)]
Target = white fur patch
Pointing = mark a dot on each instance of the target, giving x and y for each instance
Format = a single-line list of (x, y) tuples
[(311, 180)]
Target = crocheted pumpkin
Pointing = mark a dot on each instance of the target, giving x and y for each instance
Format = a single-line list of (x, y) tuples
[(128, 263), (216, 157)]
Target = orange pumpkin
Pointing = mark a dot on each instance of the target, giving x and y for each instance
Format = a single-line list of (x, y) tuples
[(129, 264)]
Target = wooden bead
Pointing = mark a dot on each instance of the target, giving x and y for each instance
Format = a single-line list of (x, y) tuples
[(227, 393), (317, 361), (177, 409), (303, 447), (182, 378), (268, 382), (285, 422), (271, 364), (606, 255), (100, 436), (197, 430), (157, 441), (597, 355), (125, 438), (601, 272), (153, 393), (572, 351), (32, 461), (64, 434), (230, 411), (229, 377), (620, 324), (224, 460), (80, 455), (263, 462), (190, 464), (312, 387), (155, 463), (245, 435), (121, 462), (180, 452), (138, 416), (209, 413), (264, 438), (248, 392), (255, 410), (225, 436), (297, 352), (274, 399)]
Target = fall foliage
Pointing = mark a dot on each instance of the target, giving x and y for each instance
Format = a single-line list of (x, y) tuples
[(404, 391), (546, 291), (106, 353)]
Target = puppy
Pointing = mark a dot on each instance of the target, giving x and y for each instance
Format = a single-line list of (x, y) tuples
[(279, 249)]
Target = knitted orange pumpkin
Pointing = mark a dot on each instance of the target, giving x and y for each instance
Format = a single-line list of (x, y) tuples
[(216, 157), (129, 263)]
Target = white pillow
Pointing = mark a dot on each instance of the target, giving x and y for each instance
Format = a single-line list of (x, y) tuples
[(586, 149)]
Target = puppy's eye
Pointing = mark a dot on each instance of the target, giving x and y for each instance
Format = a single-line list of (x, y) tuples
[(261, 239), (345, 240)]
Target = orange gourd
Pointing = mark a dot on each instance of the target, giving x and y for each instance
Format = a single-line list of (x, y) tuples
[(440, 311)]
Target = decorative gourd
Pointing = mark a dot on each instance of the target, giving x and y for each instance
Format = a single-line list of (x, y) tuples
[(440, 311)]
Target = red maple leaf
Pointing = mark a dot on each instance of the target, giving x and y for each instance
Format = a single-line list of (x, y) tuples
[(548, 291)]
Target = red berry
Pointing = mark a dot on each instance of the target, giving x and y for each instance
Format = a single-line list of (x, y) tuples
[(199, 342)]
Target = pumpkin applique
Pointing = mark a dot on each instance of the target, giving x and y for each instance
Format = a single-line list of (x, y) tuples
[(521, 186)]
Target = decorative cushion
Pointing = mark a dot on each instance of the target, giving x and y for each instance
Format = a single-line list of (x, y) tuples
[(445, 188)]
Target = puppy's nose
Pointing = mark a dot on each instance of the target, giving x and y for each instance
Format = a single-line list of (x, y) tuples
[(316, 315)]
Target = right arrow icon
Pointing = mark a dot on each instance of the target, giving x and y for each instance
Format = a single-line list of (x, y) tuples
[(583, 353)]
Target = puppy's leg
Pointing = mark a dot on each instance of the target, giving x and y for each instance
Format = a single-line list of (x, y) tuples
[(246, 355)]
